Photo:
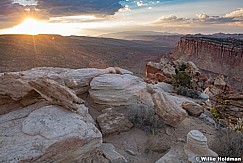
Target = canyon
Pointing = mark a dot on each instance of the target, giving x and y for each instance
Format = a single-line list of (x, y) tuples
[(214, 56)]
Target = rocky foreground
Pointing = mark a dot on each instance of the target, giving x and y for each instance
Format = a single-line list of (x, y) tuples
[(47, 115)]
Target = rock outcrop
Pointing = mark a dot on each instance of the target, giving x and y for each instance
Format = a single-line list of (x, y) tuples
[(192, 108), (113, 122), (56, 94), (196, 145), (111, 154), (46, 134), (220, 56), (116, 90), (171, 113), (230, 108)]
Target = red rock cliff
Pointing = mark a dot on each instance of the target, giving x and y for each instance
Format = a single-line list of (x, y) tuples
[(222, 56)]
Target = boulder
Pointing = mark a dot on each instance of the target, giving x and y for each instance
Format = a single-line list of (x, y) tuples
[(192, 69), (79, 80), (165, 106), (192, 108), (113, 122), (197, 146), (116, 90), (111, 154), (51, 133), (171, 157), (56, 94), (14, 86), (219, 81)]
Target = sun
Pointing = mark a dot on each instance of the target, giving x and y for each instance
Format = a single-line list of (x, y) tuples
[(30, 26)]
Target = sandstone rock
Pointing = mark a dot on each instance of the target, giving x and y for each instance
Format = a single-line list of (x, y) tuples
[(14, 86), (111, 154), (203, 96), (7, 104), (116, 90), (197, 146), (193, 108), (171, 113), (219, 81), (221, 56), (117, 70), (46, 134), (79, 80), (208, 120), (171, 157), (113, 122), (56, 94), (192, 69), (162, 86)]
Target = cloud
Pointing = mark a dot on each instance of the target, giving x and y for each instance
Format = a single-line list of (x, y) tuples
[(233, 18), (78, 7), (13, 13), (237, 14), (172, 19)]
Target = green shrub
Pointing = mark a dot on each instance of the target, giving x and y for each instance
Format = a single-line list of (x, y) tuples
[(182, 78), (215, 112)]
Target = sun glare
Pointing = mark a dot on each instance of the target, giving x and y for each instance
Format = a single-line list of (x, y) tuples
[(33, 26), (30, 26)]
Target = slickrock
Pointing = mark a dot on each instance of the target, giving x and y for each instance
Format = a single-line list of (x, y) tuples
[(12, 85), (171, 157), (79, 80), (113, 122), (196, 145), (111, 154), (46, 134), (192, 108), (116, 90), (166, 107), (56, 94)]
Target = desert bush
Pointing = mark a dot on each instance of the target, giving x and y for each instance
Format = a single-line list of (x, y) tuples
[(228, 143), (145, 118), (182, 78), (215, 112)]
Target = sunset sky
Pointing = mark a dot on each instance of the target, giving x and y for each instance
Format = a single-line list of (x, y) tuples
[(96, 17)]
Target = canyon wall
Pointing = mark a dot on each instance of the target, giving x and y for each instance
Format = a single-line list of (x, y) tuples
[(215, 55)]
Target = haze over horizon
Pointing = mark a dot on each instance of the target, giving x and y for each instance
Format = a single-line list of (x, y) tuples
[(95, 17)]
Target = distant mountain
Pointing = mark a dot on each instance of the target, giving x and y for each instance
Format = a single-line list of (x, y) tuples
[(135, 35), (219, 35)]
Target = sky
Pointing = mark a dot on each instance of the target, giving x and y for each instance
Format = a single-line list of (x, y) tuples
[(97, 17)]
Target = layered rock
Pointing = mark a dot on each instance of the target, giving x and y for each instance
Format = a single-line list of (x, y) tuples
[(196, 146), (56, 94), (230, 107), (113, 122), (46, 134), (165, 106), (220, 56), (184, 76), (111, 154), (193, 108), (116, 90)]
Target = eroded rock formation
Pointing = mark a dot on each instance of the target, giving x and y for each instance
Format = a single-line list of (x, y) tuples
[(220, 56)]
